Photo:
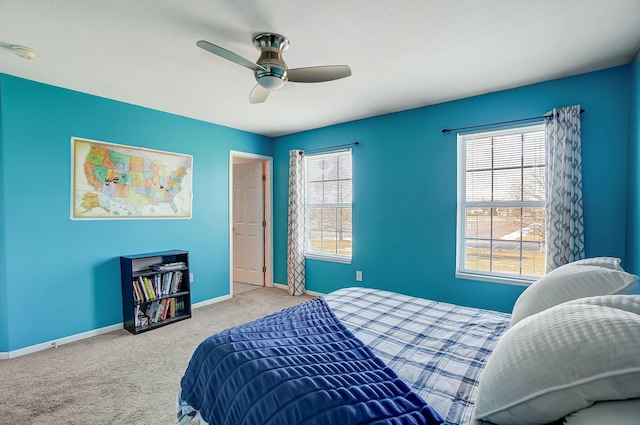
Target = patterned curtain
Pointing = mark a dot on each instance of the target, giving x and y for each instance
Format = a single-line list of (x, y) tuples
[(296, 245), (564, 223)]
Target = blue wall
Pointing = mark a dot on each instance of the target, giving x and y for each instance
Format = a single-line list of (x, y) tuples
[(4, 329), (63, 276), (404, 218), (633, 210)]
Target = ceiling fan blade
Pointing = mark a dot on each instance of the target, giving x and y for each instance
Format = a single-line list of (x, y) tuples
[(258, 94), (228, 55), (318, 74)]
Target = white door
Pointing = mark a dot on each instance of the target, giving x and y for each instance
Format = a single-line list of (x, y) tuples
[(248, 216)]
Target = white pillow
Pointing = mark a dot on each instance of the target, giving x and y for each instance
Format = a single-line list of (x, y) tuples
[(570, 282), (608, 262), (622, 412), (561, 360)]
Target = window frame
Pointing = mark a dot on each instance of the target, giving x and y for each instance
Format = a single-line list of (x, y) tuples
[(307, 207), (463, 205)]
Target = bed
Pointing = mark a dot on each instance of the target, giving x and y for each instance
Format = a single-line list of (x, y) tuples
[(438, 349), (433, 356)]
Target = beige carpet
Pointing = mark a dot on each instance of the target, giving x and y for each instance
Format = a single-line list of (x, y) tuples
[(119, 378), (239, 287)]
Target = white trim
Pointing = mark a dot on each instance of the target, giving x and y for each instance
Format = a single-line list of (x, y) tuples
[(462, 204), (307, 207), (327, 257), (84, 335), (495, 278), (268, 216), (307, 292), (512, 129), (211, 301), (61, 341)]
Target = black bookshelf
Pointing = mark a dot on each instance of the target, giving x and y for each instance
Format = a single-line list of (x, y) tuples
[(156, 289)]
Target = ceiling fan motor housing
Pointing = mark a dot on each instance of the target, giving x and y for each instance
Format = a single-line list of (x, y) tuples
[(271, 46)]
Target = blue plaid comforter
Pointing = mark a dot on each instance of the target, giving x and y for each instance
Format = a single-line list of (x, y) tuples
[(297, 366), (437, 349)]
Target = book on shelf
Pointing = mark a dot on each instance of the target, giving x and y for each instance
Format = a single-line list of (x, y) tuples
[(149, 285), (149, 310), (143, 322), (172, 307), (143, 288), (156, 312), (165, 308), (179, 306), (168, 266), (166, 282), (137, 316), (141, 319), (176, 282), (152, 308), (156, 285), (138, 295)]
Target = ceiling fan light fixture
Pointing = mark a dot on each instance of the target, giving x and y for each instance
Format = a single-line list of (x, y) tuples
[(273, 76), (271, 82)]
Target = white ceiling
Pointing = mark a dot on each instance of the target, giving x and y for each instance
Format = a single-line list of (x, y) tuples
[(403, 53)]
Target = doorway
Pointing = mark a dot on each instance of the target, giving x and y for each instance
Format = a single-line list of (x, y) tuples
[(250, 222)]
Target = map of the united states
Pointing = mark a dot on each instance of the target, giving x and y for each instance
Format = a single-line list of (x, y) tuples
[(117, 181)]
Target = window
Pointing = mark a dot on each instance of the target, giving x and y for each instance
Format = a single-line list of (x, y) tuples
[(328, 206), (501, 205)]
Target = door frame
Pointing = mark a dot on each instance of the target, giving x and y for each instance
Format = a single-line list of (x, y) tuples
[(268, 215)]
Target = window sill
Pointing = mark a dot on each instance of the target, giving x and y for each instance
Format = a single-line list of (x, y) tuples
[(493, 278), (325, 257)]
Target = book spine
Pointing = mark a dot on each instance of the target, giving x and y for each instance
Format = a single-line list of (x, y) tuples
[(150, 291), (137, 316), (153, 316), (177, 282), (165, 308), (172, 307), (158, 312), (138, 292), (169, 280), (143, 287)]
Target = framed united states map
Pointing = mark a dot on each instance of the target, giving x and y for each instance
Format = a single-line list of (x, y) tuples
[(110, 181)]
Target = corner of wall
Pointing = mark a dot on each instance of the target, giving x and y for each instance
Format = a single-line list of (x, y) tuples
[(4, 325), (632, 247)]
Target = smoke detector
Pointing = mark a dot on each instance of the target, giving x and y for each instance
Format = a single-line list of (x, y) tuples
[(24, 52)]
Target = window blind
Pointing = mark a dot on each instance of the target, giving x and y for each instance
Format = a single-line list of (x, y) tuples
[(501, 200)]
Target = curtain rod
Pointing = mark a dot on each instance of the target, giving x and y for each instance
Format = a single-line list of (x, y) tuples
[(449, 130), (330, 147)]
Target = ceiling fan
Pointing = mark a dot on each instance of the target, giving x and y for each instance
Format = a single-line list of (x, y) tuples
[(271, 71)]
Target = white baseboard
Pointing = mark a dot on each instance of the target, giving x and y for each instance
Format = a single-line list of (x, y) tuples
[(60, 341), (285, 287), (77, 337), (211, 301)]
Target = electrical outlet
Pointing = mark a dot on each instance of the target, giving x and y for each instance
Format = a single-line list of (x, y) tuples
[(359, 276), (190, 277)]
